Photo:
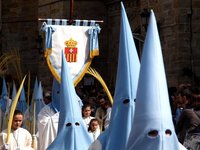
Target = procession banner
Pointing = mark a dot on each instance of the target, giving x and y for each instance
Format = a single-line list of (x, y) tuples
[(79, 43)]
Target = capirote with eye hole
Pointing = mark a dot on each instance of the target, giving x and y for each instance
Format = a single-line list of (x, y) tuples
[(126, 101), (69, 124), (154, 133)]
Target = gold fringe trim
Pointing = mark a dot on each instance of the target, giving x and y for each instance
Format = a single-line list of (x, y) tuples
[(57, 76), (94, 52)]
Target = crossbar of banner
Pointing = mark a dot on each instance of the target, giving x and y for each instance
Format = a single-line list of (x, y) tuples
[(97, 21)]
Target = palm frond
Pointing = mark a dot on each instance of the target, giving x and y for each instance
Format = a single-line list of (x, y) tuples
[(95, 74)]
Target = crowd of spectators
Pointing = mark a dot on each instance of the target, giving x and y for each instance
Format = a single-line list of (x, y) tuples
[(96, 110), (185, 106)]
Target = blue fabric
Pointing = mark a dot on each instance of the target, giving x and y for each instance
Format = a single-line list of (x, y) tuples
[(39, 103), (48, 33), (56, 95), (22, 105), (92, 22), (35, 89), (4, 96), (94, 42), (103, 138), (49, 21), (77, 22), (72, 133), (64, 21), (152, 110), (85, 22), (14, 91), (57, 21), (125, 90), (178, 114)]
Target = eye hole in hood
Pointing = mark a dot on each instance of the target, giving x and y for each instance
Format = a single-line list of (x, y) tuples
[(126, 101), (153, 133), (168, 132), (68, 124), (77, 124)]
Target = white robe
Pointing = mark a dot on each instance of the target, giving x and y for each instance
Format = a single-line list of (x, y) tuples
[(87, 121), (19, 138), (1, 119), (47, 127), (107, 117), (96, 145), (95, 134)]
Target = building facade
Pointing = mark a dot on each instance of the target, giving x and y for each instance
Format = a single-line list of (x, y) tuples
[(178, 23)]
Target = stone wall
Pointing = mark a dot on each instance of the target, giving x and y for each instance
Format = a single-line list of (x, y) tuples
[(178, 25), (178, 29), (114, 14), (19, 32)]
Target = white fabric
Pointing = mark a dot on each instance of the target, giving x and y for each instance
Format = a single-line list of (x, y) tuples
[(95, 134), (60, 36), (19, 138), (1, 119), (107, 117), (100, 114), (87, 121), (47, 127), (96, 145), (181, 147)]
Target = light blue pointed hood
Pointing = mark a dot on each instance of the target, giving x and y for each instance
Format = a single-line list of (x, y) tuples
[(4, 96), (14, 91), (152, 120), (55, 95), (35, 89), (4, 91), (125, 89), (22, 105), (72, 133), (39, 99)]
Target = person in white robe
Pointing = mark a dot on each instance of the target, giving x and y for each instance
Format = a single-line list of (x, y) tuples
[(86, 112), (47, 126), (94, 129), (20, 138)]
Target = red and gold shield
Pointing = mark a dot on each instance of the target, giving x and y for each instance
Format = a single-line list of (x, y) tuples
[(70, 54), (71, 51)]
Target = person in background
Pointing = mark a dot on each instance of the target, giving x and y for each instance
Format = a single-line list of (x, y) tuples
[(94, 129), (107, 117), (101, 111), (47, 123), (20, 138), (86, 112), (92, 102), (47, 97), (188, 125), (179, 107)]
